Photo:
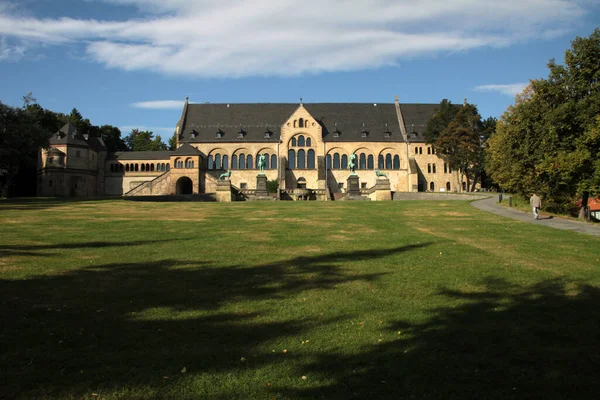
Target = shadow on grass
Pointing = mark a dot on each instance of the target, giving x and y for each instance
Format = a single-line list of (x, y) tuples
[(37, 250), (43, 203), (508, 342), (129, 325)]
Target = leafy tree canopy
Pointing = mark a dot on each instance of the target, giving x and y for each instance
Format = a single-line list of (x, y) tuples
[(144, 141), (21, 137), (549, 140), (173, 142), (459, 135)]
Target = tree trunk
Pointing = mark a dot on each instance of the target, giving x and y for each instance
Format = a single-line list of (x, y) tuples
[(583, 214)]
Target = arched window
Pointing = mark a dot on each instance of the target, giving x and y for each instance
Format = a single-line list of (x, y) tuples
[(301, 141), (445, 168), (434, 171), (336, 161), (301, 159), (291, 159), (242, 161), (274, 161), (217, 161), (137, 167), (211, 162), (293, 142), (362, 161), (267, 159), (344, 161), (464, 186), (428, 150), (310, 162), (143, 167), (308, 142), (249, 163), (432, 150), (420, 150), (168, 167), (225, 162), (416, 150), (380, 164), (165, 167), (234, 161), (428, 168), (370, 162), (448, 186), (301, 123), (388, 161), (126, 167), (432, 186), (152, 167), (396, 162), (328, 161)]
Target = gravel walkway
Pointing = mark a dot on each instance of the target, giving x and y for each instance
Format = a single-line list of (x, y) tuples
[(490, 205)]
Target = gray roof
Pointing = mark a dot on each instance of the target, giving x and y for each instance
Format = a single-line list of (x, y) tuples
[(68, 135), (140, 155), (187, 150), (96, 144), (364, 122), (377, 122), (204, 121)]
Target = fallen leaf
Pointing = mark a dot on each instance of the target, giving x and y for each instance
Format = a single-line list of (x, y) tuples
[(183, 370)]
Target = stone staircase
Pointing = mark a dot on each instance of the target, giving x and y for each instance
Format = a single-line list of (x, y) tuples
[(155, 187)]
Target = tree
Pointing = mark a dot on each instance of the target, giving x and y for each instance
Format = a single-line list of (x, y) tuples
[(112, 138), (459, 137), (21, 137), (549, 140), (173, 142), (144, 141)]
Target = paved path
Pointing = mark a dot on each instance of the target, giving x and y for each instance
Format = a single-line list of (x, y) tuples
[(490, 205)]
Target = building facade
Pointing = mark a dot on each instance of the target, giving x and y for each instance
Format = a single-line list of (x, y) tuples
[(307, 146)]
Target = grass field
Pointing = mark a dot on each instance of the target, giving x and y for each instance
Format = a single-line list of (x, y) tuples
[(119, 299)]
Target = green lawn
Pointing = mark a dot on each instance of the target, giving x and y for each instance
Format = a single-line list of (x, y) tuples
[(120, 299)]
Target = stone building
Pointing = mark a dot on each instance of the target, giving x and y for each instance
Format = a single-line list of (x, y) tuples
[(307, 146)]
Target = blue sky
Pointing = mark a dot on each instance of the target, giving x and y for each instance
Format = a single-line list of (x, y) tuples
[(130, 63)]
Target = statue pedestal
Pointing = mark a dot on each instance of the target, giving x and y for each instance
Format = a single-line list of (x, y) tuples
[(383, 190), (353, 191), (261, 192), (224, 191)]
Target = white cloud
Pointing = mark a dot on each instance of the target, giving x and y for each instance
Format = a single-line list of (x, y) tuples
[(509, 89), (10, 52), (159, 104), (224, 38)]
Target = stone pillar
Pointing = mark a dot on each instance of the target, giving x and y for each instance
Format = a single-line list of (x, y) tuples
[(224, 191), (383, 189)]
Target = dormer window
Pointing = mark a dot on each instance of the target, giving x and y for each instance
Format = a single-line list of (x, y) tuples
[(219, 134), (60, 135), (364, 132), (193, 134), (387, 132), (241, 134), (268, 133), (336, 132)]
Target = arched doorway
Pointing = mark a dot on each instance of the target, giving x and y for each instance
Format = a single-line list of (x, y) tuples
[(184, 185)]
